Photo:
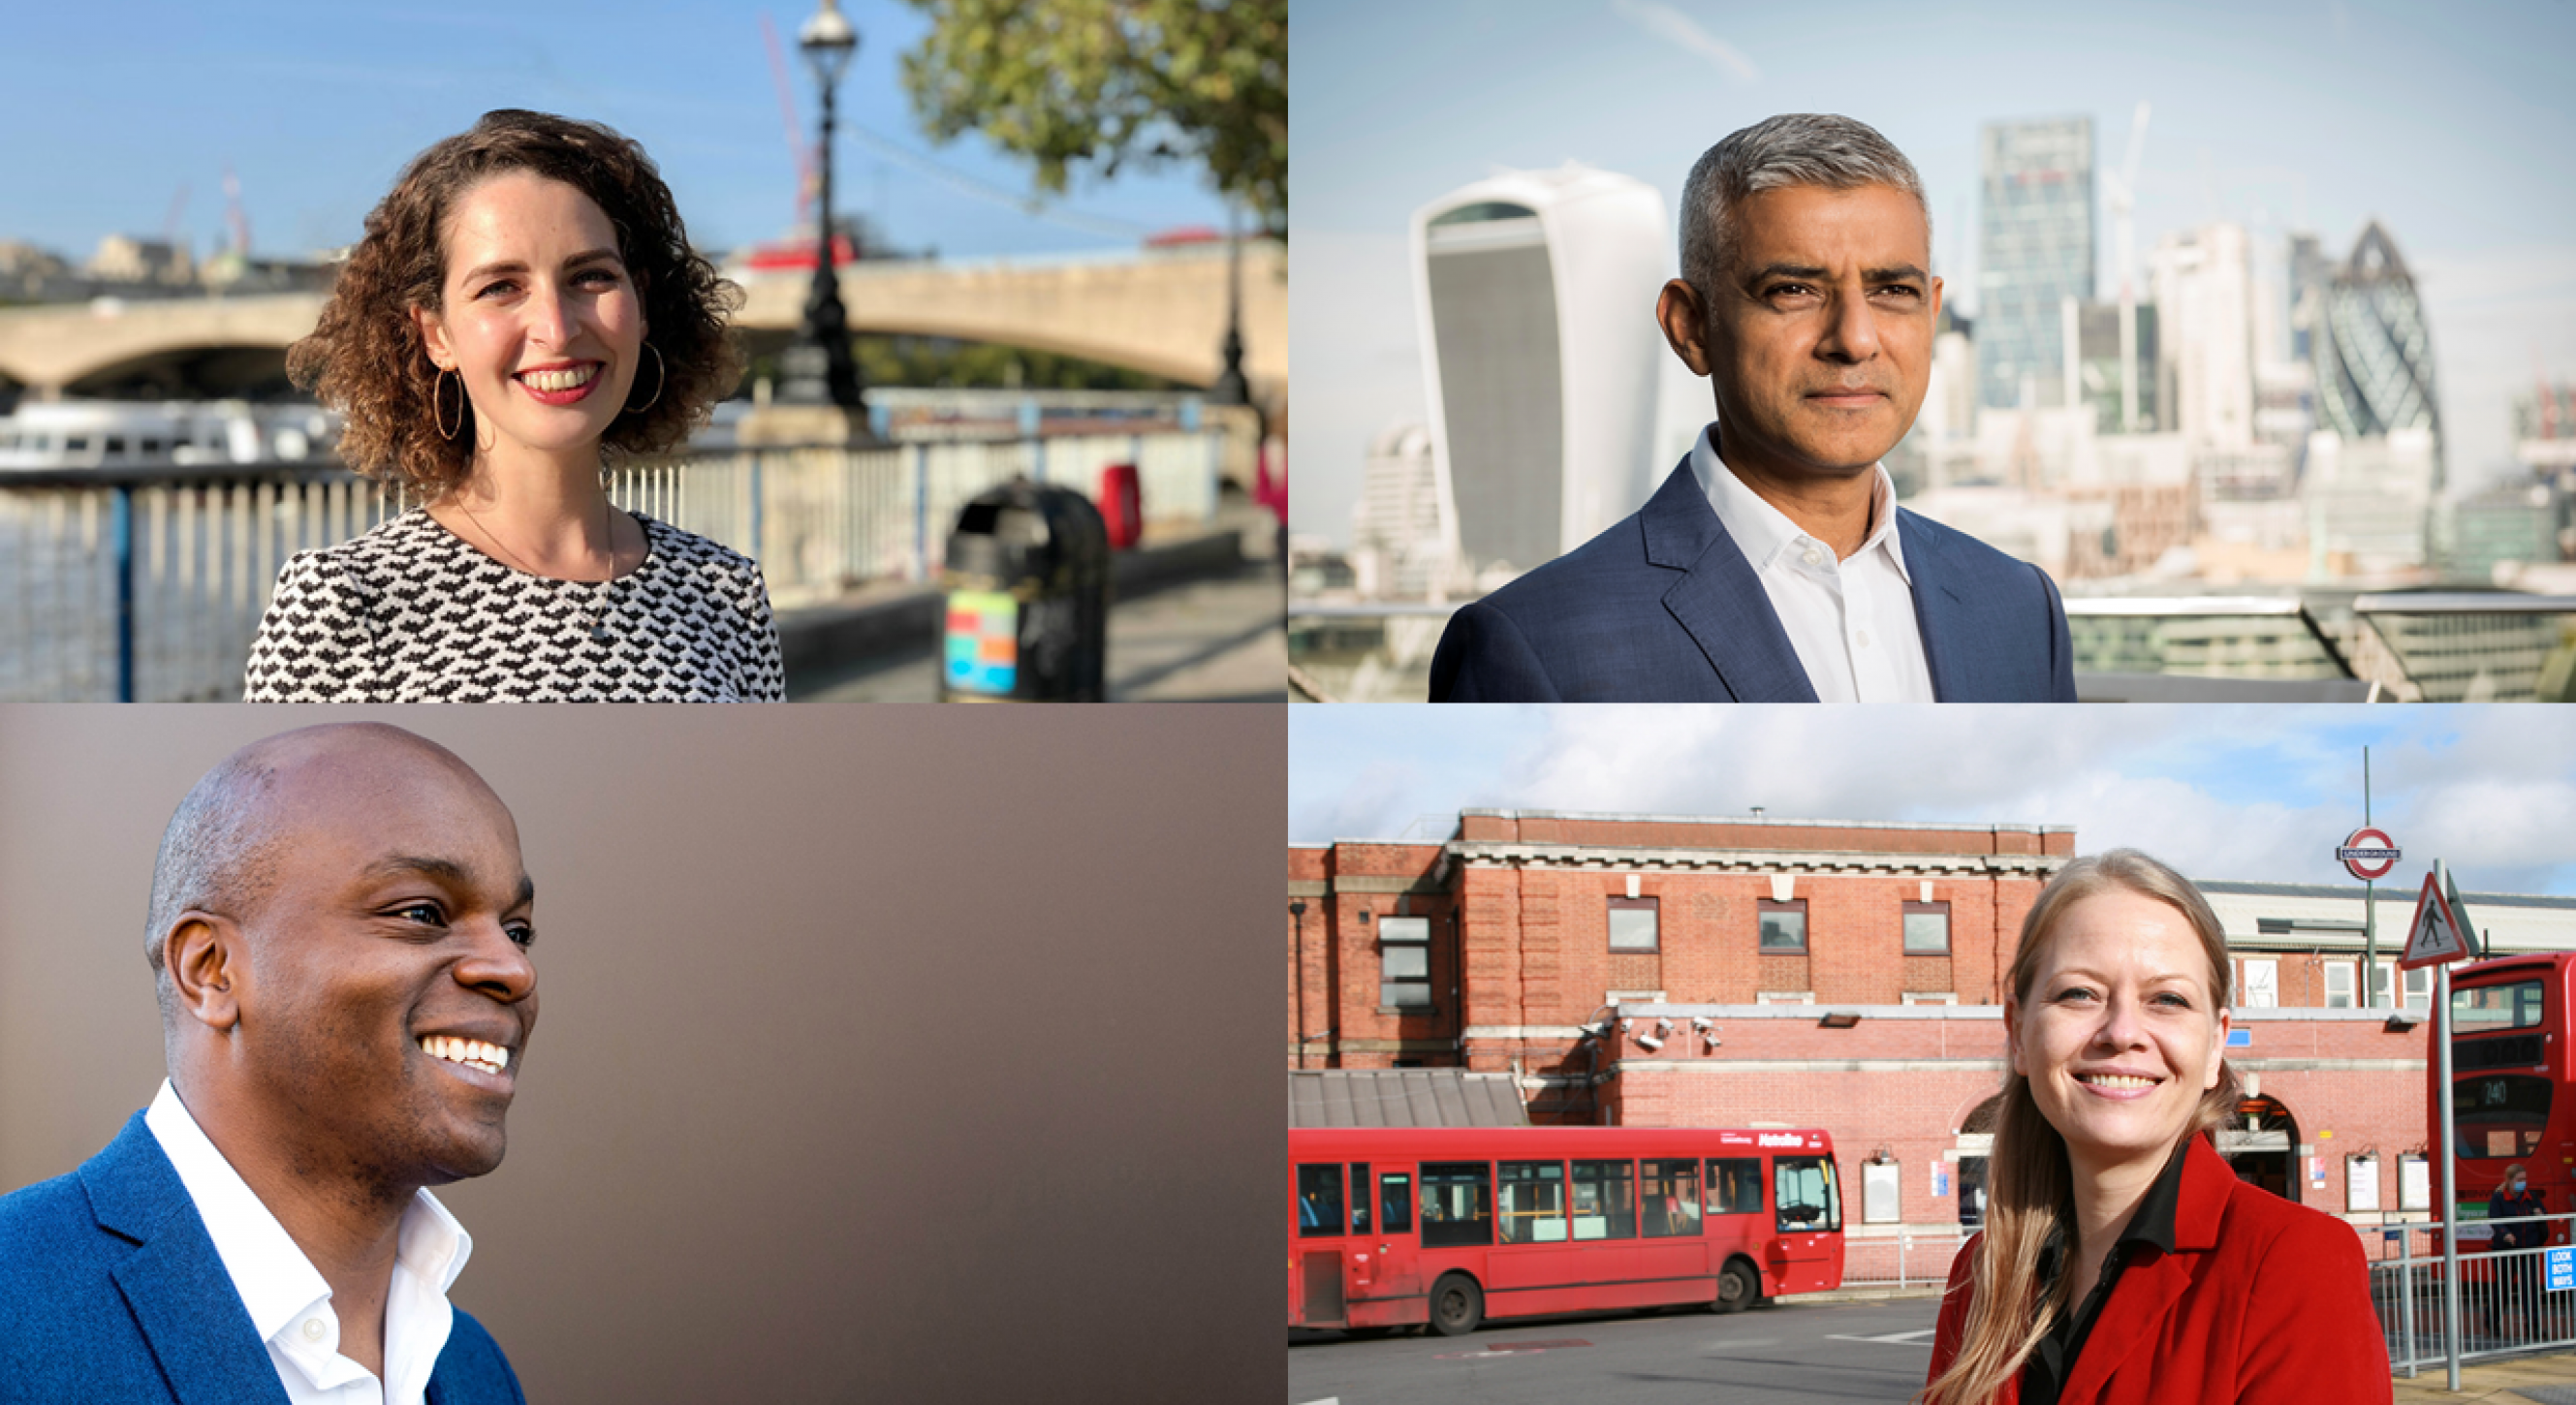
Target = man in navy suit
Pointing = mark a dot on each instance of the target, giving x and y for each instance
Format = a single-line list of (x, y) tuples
[(339, 933), (1774, 565)]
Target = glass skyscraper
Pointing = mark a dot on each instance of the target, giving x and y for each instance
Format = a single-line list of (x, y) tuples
[(2374, 355), (2034, 251)]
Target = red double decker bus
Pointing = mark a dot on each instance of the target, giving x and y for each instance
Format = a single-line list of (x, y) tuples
[(2510, 1028), (1445, 1227)]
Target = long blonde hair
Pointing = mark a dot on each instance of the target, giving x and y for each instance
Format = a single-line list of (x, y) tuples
[(2029, 1190)]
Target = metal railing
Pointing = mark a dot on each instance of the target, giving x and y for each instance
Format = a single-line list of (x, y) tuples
[(2395, 646), (2507, 1303), (1909, 1258), (149, 585)]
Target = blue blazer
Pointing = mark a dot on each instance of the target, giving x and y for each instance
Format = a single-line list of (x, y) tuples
[(110, 1290), (1663, 607)]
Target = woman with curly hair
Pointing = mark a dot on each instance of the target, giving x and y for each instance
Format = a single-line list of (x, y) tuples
[(525, 305), (2122, 1261)]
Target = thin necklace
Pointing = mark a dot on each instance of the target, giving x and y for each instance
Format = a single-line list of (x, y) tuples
[(598, 598)]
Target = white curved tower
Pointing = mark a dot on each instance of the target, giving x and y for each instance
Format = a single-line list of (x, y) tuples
[(1535, 291)]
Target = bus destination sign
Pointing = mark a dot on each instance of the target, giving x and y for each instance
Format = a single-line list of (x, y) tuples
[(2368, 854)]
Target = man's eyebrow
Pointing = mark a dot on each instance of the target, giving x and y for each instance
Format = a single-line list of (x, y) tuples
[(1898, 273), (520, 266), (445, 871)]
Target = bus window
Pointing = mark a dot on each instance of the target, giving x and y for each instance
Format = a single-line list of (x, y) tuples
[(2491, 1007), (1359, 1197), (1533, 1209), (1605, 1200), (1395, 1202), (1319, 1201), (1457, 1204), (1804, 1191), (1671, 1199), (2500, 1115), (1735, 1186)]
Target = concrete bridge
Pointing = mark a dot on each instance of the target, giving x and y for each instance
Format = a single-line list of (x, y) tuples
[(1161, 313)]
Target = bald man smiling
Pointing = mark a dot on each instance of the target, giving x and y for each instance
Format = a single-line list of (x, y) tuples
[(339, 936)]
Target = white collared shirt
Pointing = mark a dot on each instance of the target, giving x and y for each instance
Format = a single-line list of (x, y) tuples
[(288, 1301), (1851, 621)]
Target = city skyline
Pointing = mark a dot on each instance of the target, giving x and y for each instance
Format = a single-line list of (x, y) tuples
[(2321, 119), (317, 107), (2256, 794)]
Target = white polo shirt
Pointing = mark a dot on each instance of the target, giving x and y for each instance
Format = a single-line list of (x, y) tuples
[(288, 1301), (1851, 621)]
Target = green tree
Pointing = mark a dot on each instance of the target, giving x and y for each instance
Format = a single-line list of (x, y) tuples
[(1115, 82)]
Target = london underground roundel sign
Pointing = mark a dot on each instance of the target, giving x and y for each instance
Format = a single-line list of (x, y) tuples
[(2368, 853)]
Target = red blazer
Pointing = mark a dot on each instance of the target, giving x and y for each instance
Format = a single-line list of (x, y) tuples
[(2261, 1301)]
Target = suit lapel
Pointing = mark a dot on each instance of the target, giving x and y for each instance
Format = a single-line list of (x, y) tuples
[(1940, 611), (2145, 1294), (175, 1283), (1719, 601)]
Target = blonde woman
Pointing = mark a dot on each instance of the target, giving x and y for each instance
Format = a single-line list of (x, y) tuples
[(2122, 1261)]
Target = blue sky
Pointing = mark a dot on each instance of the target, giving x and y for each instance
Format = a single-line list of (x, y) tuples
[(2260, 794), (111, 108), (2452, 124)]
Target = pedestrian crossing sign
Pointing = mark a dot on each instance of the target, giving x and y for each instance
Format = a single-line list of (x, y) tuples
[(2434, 936)]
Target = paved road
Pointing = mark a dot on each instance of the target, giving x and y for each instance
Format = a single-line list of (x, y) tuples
[(1200, 641), (1844, 1351)]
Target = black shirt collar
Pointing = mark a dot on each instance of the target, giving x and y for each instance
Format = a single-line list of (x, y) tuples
[(2052, 1363)]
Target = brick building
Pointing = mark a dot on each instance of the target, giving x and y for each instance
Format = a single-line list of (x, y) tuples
[(1670, 970)]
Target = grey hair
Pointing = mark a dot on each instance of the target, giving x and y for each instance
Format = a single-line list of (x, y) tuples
[(1794, 148)]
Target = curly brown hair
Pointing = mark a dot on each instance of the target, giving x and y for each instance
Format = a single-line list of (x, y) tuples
[(366, 357)]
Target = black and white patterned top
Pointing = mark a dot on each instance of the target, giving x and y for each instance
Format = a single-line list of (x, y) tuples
[(410, 613)]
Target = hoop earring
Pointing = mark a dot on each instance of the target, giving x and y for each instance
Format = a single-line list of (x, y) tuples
[(658, 378), (438, 405)]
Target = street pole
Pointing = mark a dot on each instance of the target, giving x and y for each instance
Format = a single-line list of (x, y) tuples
[(2369, 906), (2444, 1135)]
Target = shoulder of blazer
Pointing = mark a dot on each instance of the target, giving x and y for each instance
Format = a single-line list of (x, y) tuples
[(1954, 559)]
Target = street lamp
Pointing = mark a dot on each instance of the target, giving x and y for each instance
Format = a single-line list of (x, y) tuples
[(818, 369), (1231, 388)]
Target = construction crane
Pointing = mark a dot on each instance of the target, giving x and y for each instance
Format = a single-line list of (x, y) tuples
[(233, 215), (796, 142), (2124, 190)]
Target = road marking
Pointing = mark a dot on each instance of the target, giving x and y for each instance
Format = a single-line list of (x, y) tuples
[(1892, 1338), (1509, 1349)]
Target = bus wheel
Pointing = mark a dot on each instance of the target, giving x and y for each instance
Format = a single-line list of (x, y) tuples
[(1457, 1305), (1737, 1289)]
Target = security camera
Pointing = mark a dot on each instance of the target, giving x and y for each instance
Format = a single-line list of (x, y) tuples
[(1663, 1026), (1711, 1037), (1649, 1043), (1699, 1022), (1627, 1025)]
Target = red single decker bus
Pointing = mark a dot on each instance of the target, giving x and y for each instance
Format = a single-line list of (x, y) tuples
[(2510, 1028), (1394, 1227)]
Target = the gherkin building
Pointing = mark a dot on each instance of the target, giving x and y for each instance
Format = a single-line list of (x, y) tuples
[(2374, 355)]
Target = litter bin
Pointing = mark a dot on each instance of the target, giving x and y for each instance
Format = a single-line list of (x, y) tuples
[(1027, 582), (1122, 505)]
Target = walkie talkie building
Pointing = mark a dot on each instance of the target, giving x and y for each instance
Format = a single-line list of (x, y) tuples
[(1536, 294), (2374, 355)]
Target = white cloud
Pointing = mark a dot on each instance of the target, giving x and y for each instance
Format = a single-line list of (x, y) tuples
[(1666, 23)]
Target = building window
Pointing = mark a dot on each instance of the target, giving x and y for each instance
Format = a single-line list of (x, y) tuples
[(2261, 987), (2338, 985), (1632, 925), (2419, 986), (1784, 928), (1927, 929), (1404, 963)]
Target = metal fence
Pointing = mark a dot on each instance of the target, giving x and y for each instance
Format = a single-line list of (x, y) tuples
[(1908, 1258), (149, 586), (2394, 646), (2510, 1302)]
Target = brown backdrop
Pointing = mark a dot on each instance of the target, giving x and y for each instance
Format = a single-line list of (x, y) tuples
[(888, 1054)]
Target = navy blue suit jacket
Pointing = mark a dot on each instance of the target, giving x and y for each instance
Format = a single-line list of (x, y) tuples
[(1663, 607), (110, 1290)]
